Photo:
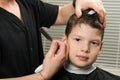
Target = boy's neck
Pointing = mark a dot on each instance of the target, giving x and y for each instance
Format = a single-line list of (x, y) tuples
[(73, 69)]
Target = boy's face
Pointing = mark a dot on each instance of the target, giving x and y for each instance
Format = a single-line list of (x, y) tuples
[(84, 45)]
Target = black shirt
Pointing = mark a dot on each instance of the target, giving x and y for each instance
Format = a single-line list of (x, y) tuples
[(97, 74), (20, 41)]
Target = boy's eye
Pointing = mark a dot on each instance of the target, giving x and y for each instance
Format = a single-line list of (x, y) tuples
[(77, 39), (95, 43)]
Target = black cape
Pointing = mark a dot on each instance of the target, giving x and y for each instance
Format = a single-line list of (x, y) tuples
[(97, 74)]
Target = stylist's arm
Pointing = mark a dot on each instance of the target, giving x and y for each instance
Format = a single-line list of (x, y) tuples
[(53, 61)]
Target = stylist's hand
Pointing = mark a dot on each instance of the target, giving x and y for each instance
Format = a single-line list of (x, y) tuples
[(93, 4), (53, 61)]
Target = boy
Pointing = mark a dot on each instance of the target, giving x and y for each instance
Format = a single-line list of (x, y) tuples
[(84, 38)]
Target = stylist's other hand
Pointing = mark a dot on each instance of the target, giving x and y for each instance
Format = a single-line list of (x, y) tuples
[(54, 59), (96, 5)]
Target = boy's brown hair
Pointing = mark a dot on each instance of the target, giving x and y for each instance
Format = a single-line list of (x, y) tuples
[(86, 18)]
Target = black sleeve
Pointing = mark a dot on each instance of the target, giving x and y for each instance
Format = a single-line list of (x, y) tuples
[(45, 13), (49, 14)]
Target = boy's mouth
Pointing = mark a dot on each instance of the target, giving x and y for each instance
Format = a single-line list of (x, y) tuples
[(82, 58)]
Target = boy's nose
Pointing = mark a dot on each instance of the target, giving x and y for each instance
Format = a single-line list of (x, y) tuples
[(85, 48)]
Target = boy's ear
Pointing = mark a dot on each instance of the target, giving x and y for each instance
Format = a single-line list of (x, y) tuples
[(64, 38), (101, 46)]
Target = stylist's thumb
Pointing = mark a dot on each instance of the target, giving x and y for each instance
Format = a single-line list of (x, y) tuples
[(53, 48), (62, 52), (78, 10), (58, 50)]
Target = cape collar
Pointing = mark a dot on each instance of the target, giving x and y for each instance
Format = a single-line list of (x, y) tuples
[(73, 69)]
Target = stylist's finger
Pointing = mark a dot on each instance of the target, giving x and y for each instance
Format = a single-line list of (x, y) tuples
[(104, 24), (99, 8), (78, 10), (63, 51), (53, 47), (57, 49)]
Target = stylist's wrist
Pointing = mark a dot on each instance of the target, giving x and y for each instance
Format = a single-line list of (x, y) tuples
[(44, 75)]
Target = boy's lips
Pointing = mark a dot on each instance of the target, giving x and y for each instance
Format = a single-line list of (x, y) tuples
[(82, 58)]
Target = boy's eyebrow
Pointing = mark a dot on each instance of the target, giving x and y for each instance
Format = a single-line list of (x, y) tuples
[(91, 40), (97, 40)]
